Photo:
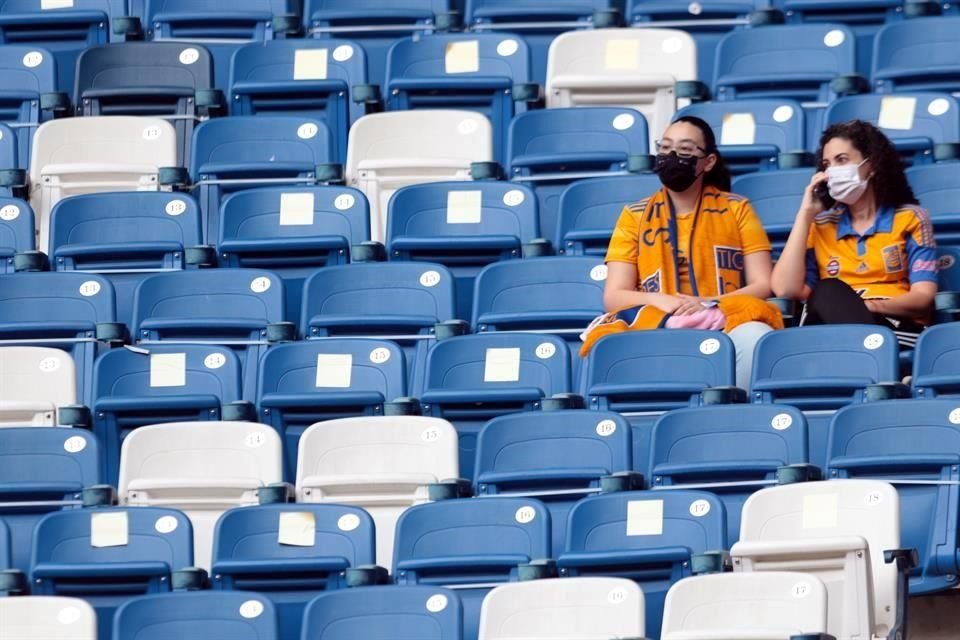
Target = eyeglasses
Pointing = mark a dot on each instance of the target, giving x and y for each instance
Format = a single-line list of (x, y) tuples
[(683, 149)]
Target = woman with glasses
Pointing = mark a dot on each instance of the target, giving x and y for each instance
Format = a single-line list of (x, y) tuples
[(861, 250), (692, 243)]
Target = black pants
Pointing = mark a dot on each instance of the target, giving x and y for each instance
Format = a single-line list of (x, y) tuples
[(833, 301)]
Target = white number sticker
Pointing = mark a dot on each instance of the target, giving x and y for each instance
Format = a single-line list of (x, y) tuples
[(166, 524), (90, 288), (175, 207), (430, 278), (955, 416), (545, 350), (606, 428), (251, 609), (344, 201), (307, 130), (599, 273), (49, 365), (343, 53), (259, 285), (431, 434), (873, 341), (709, 346), (781, 421), (348, 522), (189, 56), (9, 212), (525, 515), (152, 132), (379, 355), (254, 440), (513, 197), (74, 444), (699, 508), (33, 59), (436, 603), (507, 48), (215, 361), (623, 121)]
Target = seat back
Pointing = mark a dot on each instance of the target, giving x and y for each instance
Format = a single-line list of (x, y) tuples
[(948, 274), (934, 186), (204, 614), (202, 468), (392, 150), (774, 197), (17, 230), (26, 73), (588, 608), (34, 383), (910, 56), (74, 156), (53, 617), (383, 464), (935, 365)]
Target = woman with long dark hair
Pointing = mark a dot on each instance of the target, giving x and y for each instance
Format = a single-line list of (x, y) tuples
[(861, 250)]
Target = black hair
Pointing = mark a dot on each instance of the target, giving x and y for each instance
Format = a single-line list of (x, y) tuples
[(719, 176), (890, 186)]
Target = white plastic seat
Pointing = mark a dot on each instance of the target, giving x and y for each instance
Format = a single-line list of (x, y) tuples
[(775, 605), (201, 468), (387, 151), (34, 383), (837, 531), (635, 68), (74, 156), (562, 609), (383, 464), (47, 618)]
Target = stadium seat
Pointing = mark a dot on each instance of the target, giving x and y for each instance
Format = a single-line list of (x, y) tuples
[(49, 617), (109, 556), (948, 261), (471, 546), (388, 151), (375, 24), (34, 383), (212, 614), (471, 379), (75, 156), (290, 553), (245, 152), (839, 532), (915, 122), (912, 444), (777, 605), (201, 468), (557, 609), (538, 21), (234, 308), (752, 133), (775, 197), (136, 387), (643, 374), (66, 311), (383, 464), (636, 68), (42, 470), (396, 301), (557, 457), (589, 209), (648, 537), (292, 231), (936, 188), (399, 613), (820, 369), (124, 237), (463, 226), (551, 148), (29, 79), (913, 55), (935, 363), (304, 383), (484, 72), (322, 80), (730, 450)]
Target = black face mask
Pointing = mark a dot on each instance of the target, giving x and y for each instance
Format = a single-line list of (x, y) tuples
[(676, 173)]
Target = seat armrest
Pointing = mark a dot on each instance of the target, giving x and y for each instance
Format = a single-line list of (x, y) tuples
[(367, 575), (174, 177), (796, 473), (766, 17), (710, 562), (537, 248), (128, 26), (402, 407), (450, 490), (74, 415), (621, 481), (850, 85), (448, 21), (189, 579), (886, 391), (905, 560), (99, 495), (725, 394), (13, 582), (607, 19), (563, 402), (451, 329), (790, 309), (693, 90), (285, 24), (56, 101), (238, 411), (526, 92), (368, 251), (485, 171), (31, 261), (537, 570), (281, 332), (640, 163), (113, 333), (277, 493)]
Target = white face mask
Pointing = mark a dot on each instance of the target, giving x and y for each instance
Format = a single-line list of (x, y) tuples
[(845, 184)]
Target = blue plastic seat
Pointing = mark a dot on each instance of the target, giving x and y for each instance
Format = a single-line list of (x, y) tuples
[(301, 384), (139, 387), (557, 457), (233, 308), (109, 556), (401, 302), (589, 209), (936, 368), (753, 133), (730, 450), (17, 231), (934, 118), (645, 536), (915, 55), (463, 226), (463, 71), (244, 152), (914, 445), (471, 379), (820, 369), (292, 232), (213, 615), (124, 236), (775, 196), (203, 21), (937, 187), (550, 148), (399, 613), (28, 76), (302, 78), (58, 310), (470, 545), (374, 24), (290, 553), (42, 470), (948, 261), (642, 374)]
